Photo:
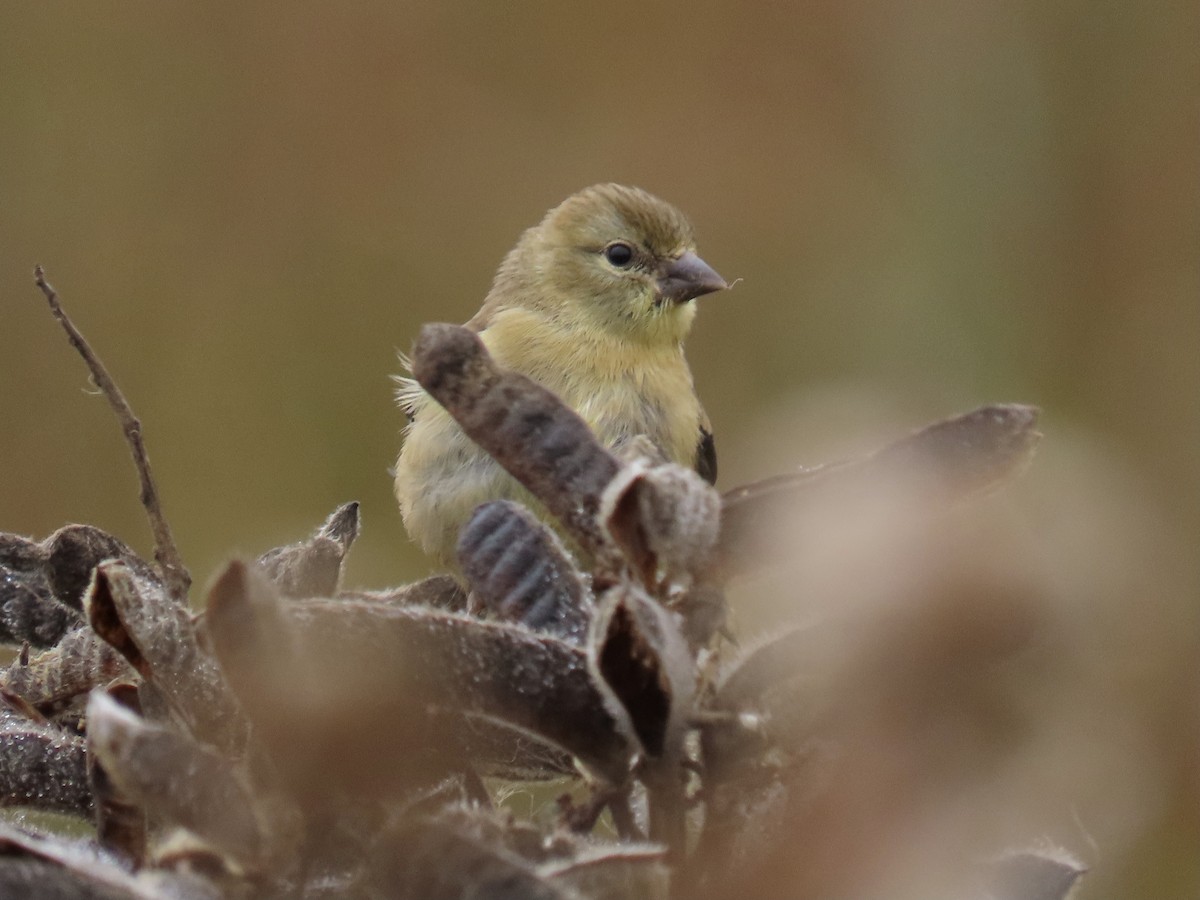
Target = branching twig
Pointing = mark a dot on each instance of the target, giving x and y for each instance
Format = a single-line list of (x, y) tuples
[(175, 574)]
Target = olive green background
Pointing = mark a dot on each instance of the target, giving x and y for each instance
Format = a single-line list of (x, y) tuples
[(249, 208)]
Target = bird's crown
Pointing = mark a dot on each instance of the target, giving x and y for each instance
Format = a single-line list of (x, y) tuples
[(596, 214)]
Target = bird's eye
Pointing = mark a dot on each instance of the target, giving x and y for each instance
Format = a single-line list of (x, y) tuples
[(619, 254)]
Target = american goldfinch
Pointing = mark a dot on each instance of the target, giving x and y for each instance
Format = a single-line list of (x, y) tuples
[(593, 303)]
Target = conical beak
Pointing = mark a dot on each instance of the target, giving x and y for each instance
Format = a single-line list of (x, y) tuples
[(687, 278)]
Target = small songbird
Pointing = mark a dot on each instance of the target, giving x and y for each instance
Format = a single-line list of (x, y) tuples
[(593, 303)]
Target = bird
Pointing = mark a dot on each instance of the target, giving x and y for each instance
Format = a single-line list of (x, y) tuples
[(593, 303)]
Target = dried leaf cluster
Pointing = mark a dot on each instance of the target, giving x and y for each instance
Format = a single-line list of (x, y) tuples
[(299, 740)]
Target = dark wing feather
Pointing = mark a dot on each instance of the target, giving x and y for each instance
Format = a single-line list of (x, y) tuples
[(706, 456)]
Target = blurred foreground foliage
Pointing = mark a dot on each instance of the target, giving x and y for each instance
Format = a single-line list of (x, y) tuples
[(890, 735)]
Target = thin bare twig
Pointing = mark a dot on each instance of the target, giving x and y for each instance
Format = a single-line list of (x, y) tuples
[(175, 575)]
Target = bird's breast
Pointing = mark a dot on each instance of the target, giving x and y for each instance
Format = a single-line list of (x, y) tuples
[(619, 388)]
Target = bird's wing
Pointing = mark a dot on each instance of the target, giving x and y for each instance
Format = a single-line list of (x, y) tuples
[(482, 319), (706, 451)]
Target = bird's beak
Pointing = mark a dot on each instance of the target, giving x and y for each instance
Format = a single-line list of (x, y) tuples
[(687, 278)]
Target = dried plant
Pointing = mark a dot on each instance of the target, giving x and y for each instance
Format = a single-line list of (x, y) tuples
[(298, 740)]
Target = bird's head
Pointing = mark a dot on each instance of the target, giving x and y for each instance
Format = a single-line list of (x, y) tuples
[(615, 258)]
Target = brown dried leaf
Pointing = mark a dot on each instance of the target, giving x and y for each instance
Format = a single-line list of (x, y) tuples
[(1032, 875), (20, 553), (42, 584), (969, 453), (437, 592), (313, 567), (757, 750), (342, 525), (704, 611), (368, 695), (175, 779), (633, 672), (22, 707), (74, 551), (182, 862), (524, 427), (432, 859), (246, 622), (158, 637), (42, 766), (323, 739), (613, 872), (519, 570), (498, 749), (665, 518), (120, 823), (792, 653), (743, 821), (947, 460), (34, 867), (643, 661), (594, 869), (78, 663), (534, 683), (29, 609), (851, 730)]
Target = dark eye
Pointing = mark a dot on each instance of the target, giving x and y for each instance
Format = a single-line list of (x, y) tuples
[(618, 254)]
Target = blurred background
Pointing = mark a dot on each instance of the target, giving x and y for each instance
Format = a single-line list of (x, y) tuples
[(248, 209)]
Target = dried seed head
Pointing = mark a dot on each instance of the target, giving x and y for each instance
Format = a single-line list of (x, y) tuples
[(666, 520), (175, 778), (120, 822), (73, 666), (42, 766), (520, 571), (415, 674), (639, 449), (74, 551), (640, 656), (159, 638), (30, 611), (313, 567), (543, 444)]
